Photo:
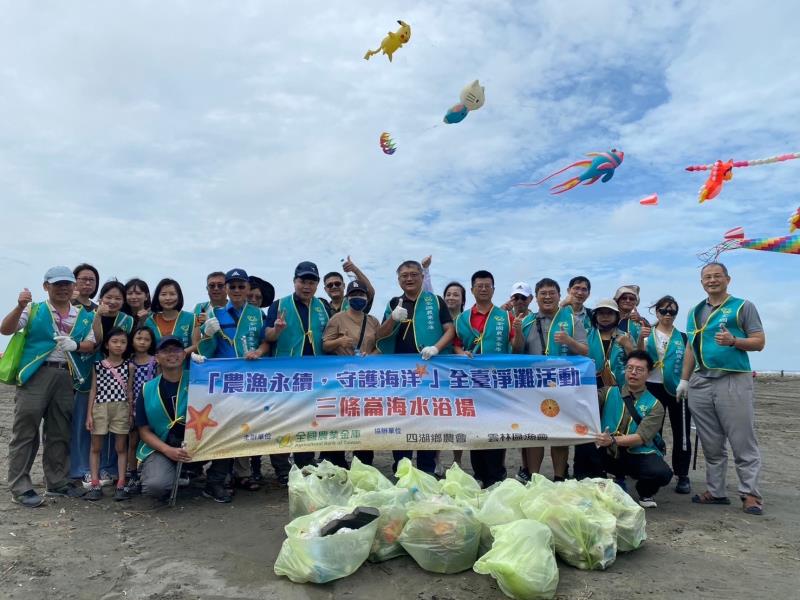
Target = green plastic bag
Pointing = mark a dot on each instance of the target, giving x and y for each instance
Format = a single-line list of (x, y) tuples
[(501, 505), (460, 485), (441, 537), (9, 362), (312, 488), (393, 504), (631, 521), (522, 560), (584, 531), (367, 477), (413, 479), (305, 556)]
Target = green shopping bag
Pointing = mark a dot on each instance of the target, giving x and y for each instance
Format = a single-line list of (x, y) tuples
[(9, 363)]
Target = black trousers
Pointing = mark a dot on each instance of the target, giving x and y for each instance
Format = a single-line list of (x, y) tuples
[(365, 456), (337, 457), (488, 465), (649, 470), (588, 461), (678, 411)]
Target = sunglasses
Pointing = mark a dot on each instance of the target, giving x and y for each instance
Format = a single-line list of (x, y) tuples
[(240, 286), (333, 285), (215, 286), (667, 311)]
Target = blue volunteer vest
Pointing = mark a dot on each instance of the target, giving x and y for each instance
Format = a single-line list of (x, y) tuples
[(707, 352), (563, 320), (494, 339), (248, 330), (157, 415), (292, 339), (613, 412), (672, 362)]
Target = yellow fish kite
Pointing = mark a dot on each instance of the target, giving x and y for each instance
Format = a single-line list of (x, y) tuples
[(393, 41)]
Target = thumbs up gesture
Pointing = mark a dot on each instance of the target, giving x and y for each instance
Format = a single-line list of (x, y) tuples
[(724, 337), (399, 314), (25, 298)]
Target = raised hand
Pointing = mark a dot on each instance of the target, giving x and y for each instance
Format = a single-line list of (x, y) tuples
[(25, 298), (280, 322), (426, 262), (724, 337), (399, 314)]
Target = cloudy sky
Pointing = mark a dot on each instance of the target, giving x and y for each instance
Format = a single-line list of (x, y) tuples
[(172, 139)]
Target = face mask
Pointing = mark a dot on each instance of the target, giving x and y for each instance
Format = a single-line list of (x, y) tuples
[(358, 304)]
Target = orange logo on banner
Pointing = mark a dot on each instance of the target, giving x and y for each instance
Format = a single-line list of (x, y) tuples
[(549, 407)]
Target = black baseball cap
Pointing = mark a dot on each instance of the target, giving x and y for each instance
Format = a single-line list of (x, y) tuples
[(307, 270), (168, 340), (236, 275), (356, 286)]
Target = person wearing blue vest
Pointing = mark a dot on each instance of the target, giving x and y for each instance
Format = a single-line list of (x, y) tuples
[(553, 331), (631, 418), (56, 333), (722, 329), (235, 330), (484, 329), (294, 327), (416, 322), (666, 346)]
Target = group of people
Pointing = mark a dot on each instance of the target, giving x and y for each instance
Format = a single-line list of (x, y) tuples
[(108, 381)]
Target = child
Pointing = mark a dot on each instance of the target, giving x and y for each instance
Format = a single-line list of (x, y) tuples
[(109, 411), (141, 369), (137, 300)]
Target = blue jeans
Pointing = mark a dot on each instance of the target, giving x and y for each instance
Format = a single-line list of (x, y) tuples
[(81, 443)]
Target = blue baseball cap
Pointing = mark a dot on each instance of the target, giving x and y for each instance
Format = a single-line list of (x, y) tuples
[(307, 270), (58, 274), (236, 275)]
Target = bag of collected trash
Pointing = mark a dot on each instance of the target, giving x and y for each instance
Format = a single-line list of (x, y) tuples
[(392, 504), (584, 531), (539, 483), (522, 560), (631, 521), (501, 505), (312, 488), (367, 477), (412, 478), (460, 485), (306, 555), (440, 536)]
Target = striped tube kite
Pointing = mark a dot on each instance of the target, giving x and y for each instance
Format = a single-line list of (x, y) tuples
[(723, 171), (735, 239), (794, 221)]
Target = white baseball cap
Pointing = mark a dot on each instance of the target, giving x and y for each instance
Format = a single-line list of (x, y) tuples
[(607, 303), (522, 288)]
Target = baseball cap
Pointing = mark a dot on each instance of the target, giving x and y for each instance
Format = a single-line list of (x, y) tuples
[(607, 303), (56, 274), (236, 275), (307, 270), (627, 289), (356, 286), (168, 340), (521, 288)]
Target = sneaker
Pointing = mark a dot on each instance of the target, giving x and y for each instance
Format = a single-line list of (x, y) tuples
[(106, 478), (217, 493), (523, 475), (94, 493), (121, 493), (647, 502), (684, 486), (68, 490), (184, 481), (29, 499)]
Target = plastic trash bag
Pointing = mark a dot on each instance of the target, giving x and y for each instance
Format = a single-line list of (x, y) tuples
[(441, 537), (413, 479), (305, 556), (502, 504), (312, 488), (460, 485), (631, 521), (584, 531), (367, 477), (392, 504), (522, 560)]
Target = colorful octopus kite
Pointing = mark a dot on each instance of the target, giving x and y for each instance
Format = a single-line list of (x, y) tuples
[(723, 171), (387, 144), (734, 239), (602, 165)]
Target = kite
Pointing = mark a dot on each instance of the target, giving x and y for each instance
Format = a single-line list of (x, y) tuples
[(393, 41), (794, 221), (387, 144), (734, 239), (723, 171), (472, 98), (603, 164), (651, 200)]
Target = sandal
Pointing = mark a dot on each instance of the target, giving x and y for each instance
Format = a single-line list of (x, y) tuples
[(245, 483), (752, 505), (707, 498)]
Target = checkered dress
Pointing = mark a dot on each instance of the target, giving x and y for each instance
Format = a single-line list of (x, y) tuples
[(111, 382)]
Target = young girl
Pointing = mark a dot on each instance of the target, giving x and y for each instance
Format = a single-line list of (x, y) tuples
[(141, 369), (137, 300), (167, 316), (109, 411)]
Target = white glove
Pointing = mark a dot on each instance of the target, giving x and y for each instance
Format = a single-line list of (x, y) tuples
[(399, 313), (211, 326), (198, 358), (429, 352), (66, 343), (683, 389)]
